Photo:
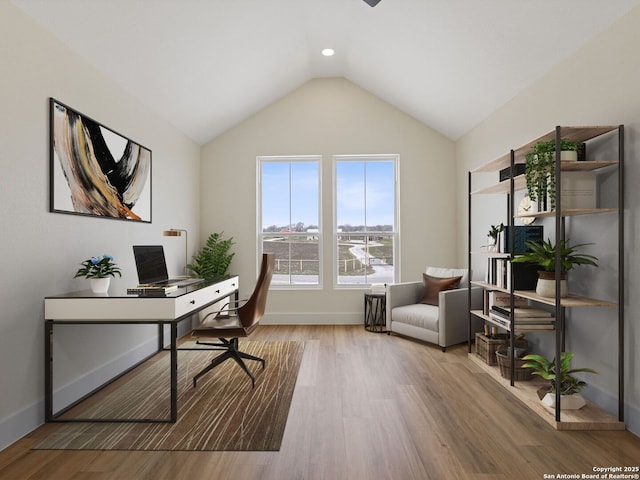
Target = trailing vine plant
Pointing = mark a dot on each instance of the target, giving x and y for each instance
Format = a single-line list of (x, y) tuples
[(540, 173)]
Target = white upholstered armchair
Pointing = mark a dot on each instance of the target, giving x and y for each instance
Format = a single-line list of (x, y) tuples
[(429, 310)]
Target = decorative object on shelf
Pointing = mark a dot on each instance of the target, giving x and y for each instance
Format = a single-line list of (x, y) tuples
[(522, 234), (99, 271), (213, 260), (543, 254), (524, 207), (505, 173), (494, 234), (540, 173), (95, 171), (570, 386), (177, 232)]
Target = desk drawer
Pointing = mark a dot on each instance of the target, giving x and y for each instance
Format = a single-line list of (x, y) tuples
[(193, 301)]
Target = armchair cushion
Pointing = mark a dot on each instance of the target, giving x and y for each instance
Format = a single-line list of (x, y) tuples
[(418, 315), (434, 285)]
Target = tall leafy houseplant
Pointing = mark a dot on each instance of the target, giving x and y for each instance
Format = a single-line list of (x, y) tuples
[(213, 260), (540, 172)]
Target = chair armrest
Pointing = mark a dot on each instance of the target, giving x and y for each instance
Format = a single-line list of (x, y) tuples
[(406, 293), (398, 294), (454, 314)]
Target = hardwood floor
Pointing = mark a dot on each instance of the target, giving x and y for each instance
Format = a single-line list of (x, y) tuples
[(366, 406)]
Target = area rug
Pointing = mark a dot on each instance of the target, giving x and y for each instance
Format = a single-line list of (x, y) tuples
[(222, 413)]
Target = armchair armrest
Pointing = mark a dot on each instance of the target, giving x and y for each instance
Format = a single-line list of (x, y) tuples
[(406, 293), (454, 314)]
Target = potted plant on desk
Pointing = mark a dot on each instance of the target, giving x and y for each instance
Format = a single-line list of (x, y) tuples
[(99, 271)]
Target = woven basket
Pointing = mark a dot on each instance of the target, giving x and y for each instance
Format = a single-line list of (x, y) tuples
[(504, 362), (486, 346)]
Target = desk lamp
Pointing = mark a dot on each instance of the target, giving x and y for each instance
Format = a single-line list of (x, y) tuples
[(177, 232)]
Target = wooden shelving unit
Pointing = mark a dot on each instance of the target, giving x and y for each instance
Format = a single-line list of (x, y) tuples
[(589, 417)]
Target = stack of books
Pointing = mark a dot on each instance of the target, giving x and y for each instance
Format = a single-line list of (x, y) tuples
[(151, 290), (525, 318)]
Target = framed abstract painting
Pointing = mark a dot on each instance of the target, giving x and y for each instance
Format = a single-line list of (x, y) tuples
[(96, 171)]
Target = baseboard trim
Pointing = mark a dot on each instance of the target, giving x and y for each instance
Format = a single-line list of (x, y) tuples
[(609, 402), (320, 318)]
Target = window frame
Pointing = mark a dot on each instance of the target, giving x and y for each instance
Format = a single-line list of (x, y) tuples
[(395, 233), (260, 160)]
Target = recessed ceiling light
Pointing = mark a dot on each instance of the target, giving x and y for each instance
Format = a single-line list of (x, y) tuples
[(328, 52)]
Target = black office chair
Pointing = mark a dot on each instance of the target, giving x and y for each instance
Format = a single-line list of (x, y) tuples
[(228, 328)]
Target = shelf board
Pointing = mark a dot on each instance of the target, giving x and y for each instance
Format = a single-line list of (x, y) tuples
[(570, 301), (576, 134), (520, 182), (568, 212), (487, 318), (589, 417)]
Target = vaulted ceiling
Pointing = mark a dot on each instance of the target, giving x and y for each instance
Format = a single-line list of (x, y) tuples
[(207, 65)]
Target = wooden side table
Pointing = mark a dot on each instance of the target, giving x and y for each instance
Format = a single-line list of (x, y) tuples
[(375, 312)]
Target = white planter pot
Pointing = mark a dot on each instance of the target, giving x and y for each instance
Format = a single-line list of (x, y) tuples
[(546, 287), (100, 285), (567, 156), (567, 402)]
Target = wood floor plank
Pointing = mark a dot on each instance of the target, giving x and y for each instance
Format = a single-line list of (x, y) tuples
[(368, 406)]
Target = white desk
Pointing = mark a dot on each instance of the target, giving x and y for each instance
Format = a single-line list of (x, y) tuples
[(117, 307)]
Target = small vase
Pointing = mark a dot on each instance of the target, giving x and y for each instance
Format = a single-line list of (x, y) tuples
[(546, 286), (567, 402), (99, 285)]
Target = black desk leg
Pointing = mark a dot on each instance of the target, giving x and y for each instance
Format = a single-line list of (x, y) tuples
[(160, 337), (174, 372), (48, 371)]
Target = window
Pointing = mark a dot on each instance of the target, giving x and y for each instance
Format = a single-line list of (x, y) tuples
[(289, 222), (366, 226)]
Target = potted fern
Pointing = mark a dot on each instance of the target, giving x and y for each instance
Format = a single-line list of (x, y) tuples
[(213, 260), (570, 386), (543, 254)]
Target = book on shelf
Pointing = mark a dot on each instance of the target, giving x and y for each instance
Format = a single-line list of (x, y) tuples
[(496, 297), (498, 273), (519, 312), (526, 323)]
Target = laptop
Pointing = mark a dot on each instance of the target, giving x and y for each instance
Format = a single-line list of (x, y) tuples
[(152, 268)]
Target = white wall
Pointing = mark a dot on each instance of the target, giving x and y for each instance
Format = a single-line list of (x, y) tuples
[(327, 117), (598, 85), (41, 250)]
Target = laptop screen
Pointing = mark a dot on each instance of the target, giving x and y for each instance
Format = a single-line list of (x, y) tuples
[(150, 263)]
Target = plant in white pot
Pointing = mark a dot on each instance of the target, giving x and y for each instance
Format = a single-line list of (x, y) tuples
[(493, 235), (99, 271), (543, 254), (570, 386)]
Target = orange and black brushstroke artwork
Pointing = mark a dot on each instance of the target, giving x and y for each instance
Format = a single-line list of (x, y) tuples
[(99, 184)]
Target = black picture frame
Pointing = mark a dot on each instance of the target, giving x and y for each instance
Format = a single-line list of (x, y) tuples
[(96, 171)]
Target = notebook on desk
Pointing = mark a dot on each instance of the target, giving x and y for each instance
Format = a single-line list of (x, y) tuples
[(152, 268)]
